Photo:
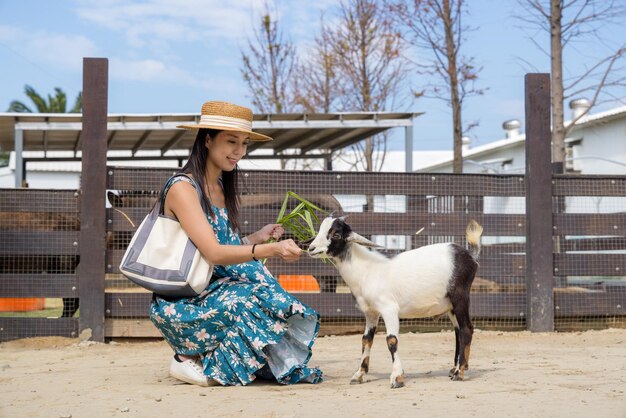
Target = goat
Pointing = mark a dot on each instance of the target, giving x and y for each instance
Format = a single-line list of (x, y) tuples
[(428, 281)]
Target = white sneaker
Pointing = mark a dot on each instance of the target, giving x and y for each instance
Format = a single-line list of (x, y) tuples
[(189, 371)]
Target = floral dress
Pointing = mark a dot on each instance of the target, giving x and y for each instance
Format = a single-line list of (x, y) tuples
[(243, 325)]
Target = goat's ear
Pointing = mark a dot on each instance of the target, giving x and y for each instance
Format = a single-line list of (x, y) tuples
[(114, 199), (358, 239)]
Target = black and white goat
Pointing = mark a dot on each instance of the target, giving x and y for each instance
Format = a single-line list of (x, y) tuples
[(424, 282)]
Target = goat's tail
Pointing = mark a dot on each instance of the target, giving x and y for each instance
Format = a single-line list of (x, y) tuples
[(472, 233)]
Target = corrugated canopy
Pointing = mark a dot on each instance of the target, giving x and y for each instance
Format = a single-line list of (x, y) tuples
[(304, 132)]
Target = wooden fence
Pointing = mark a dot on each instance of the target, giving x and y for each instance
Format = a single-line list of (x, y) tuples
[(41, 242), (554, 246)]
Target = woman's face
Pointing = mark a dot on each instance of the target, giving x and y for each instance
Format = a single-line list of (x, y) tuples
[(227, 148)]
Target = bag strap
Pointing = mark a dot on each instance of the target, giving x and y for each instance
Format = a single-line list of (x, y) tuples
[(166, 186)]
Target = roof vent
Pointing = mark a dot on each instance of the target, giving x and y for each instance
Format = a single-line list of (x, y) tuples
[(511, 128), (579, 106)]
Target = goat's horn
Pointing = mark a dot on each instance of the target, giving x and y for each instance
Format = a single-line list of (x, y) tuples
[(358, 239)]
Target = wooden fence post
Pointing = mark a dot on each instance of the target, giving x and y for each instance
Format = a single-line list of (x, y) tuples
[(92, 207), (539, 258)]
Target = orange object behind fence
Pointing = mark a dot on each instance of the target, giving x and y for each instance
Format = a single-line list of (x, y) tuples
[(21, 304), (299, 283)]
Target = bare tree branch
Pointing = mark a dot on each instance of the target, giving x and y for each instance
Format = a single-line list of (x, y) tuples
[(370, 67), (437, 26), (569, 23), (268, 66)]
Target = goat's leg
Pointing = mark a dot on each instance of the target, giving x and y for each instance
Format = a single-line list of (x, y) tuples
[(392, 323), (70, 306), (371, 321), (466, 331), (457, 342)]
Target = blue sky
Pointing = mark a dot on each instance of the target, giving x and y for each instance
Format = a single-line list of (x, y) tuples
[(170, 56)]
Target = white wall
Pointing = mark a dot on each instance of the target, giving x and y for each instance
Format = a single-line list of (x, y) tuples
[(601, 151), (600, 142), (52, 180)]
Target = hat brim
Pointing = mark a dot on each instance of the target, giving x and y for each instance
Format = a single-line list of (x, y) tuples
[(254, 136)]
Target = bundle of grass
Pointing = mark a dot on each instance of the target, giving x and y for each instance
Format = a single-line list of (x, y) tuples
[(302, 222)]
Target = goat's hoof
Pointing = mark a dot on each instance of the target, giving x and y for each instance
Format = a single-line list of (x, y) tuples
[(356, 381), (396, 385), (457, 376), (398, 382), (452, 372)]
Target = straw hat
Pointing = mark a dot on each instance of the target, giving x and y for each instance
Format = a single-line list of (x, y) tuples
[(227, 117)]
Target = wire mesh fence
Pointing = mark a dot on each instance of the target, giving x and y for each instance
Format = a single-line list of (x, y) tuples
[(396, 210), (38, 262), (40, 229), (589, 251)]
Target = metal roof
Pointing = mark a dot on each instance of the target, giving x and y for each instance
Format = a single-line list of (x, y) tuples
[(133, 132)]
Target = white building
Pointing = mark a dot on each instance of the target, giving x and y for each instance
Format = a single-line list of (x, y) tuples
[(596, 145)]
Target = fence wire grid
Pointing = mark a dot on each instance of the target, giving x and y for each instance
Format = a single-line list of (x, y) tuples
[(388, 208), (39, 256), (589, 252), (40, 247)]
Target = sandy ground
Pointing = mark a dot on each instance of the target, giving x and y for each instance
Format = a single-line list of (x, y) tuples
[(518, 374)]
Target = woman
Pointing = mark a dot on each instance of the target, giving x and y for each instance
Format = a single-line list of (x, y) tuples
[(244, 324)]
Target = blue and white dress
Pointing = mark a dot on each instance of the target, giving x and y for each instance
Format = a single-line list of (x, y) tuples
[(243, 325)]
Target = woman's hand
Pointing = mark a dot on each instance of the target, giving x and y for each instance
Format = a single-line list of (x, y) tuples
[(271, 231), (288, 250)]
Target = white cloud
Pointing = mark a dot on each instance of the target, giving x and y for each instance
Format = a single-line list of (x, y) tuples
[(147, 70), (155, 22), (63, 52), (9, 33), (155, 71), (66, 53), (304, 21)]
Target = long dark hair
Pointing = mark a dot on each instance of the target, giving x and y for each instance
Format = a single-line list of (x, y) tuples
[(196, 166)]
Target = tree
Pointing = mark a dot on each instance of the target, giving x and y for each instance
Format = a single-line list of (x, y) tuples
[(54, 104), (370, 67), (316, 87), (570, 24), (268, 66), (436, 26)]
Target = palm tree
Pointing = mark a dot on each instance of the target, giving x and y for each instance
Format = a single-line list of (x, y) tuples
[(54, 104)]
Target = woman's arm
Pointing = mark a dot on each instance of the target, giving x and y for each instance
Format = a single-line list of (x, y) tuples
[(182, 201)]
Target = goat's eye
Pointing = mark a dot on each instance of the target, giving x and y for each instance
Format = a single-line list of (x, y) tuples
[(336, 235)]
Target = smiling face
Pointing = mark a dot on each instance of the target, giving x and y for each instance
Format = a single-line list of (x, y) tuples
[(226, 149)]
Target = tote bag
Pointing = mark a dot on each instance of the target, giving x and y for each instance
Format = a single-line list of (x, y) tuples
[(162, 258)]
